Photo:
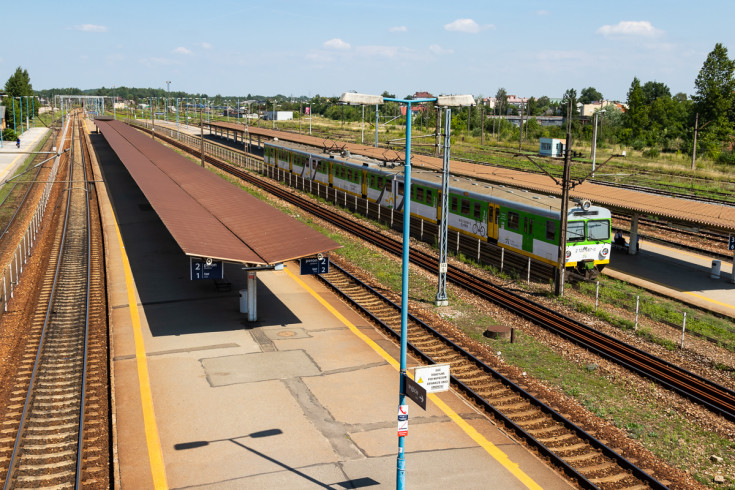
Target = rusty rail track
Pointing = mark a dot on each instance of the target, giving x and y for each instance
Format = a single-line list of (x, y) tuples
[(59, 441)]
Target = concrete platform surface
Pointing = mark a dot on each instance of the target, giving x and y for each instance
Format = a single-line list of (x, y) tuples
[(306, 397), (679, 274), (11, 157)]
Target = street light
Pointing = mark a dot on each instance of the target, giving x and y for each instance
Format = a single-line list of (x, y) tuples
[(364, 99), (168, 94), (594, 141)]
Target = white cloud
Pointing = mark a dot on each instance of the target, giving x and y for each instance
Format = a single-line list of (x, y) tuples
[(337, 44), (438, 50), (378, 51), (398, 29), (630, 28), (90, 28), (205, 45), (467, 25), (543, 12), (182, 50)]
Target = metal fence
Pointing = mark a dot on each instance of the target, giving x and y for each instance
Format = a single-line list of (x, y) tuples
[(13, 270)]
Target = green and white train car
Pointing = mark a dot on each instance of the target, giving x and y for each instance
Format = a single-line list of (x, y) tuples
[(525, 222)]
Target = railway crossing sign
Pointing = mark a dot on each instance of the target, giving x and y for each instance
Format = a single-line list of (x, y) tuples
[(731, 245), (434, 378), (205, 269), (314, 265)]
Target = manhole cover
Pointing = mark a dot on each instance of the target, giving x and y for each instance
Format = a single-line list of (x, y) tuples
[(286, 334)]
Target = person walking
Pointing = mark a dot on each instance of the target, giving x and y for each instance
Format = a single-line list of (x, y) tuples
[(17, 143)]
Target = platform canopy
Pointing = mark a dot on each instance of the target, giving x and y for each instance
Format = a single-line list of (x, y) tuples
[(206, 215)]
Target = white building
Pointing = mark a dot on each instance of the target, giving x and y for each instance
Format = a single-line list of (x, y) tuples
[(278, 115), (551, 147)]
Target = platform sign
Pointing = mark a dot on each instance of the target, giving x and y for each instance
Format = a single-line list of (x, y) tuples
[(434, 378), (731, 245), (205, 269), (314, 265), (402, 420), (415, 392)]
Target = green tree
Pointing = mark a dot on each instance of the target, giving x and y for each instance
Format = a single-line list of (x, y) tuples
[(18, 85), (569, 108), (501, 101), (714, 97), (589, 95), (636, 117)]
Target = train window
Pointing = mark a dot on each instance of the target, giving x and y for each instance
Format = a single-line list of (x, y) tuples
[(530, 226), (514, 220), (430, 197), (454, 206), (477, 211), (388, 184), (419, 194), (400, 188), (551, 230), (465, 207), (497, 215), (575, 231), (598, 230)]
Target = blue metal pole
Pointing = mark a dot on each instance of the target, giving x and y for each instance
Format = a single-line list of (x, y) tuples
[(33, 110), (21, 114), (12, 99), (28, 114), (401, 479)]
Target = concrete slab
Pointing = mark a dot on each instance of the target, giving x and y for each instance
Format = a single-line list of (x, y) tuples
[(264, 366), (677, 273), (12, 157)]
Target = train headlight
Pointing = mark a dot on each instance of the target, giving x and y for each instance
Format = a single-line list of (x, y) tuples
[(569, 253), (605, 251)]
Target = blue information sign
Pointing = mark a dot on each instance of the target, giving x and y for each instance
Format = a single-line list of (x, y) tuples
[(314, 265), (205, 269), (731, 245)]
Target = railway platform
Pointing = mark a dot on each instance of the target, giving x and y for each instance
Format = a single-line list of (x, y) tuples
[(305, 397), (11, 157), (685, 276)]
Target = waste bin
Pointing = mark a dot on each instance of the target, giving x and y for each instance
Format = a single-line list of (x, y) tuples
[(243, 301), (716, 265)]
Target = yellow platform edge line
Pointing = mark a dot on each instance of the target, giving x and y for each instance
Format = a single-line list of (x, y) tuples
[(488, 446), (155, 453)]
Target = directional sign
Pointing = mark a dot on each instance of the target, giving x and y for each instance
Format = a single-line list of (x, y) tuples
[(314, 265), (415, 392), (205, 269), (433, 378), (731, 245)]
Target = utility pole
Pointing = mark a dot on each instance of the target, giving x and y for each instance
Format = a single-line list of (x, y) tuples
[(201, 136), (559, 289), (436, 133), (696, 132), (482, 125), (520, 136)]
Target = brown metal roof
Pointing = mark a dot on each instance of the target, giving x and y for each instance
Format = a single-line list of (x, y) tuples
[(681, 210), (207, 216)]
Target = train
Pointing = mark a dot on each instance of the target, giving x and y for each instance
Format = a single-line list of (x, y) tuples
[(525, 222)]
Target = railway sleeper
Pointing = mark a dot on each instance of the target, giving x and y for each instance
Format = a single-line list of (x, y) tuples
[(611, 479)]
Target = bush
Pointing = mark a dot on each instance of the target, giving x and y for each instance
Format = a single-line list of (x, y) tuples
[(638, 144), (726, 157), (651, 153), (9, 135)]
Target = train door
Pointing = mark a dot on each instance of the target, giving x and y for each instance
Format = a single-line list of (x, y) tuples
[(528, 233), (493, 219)]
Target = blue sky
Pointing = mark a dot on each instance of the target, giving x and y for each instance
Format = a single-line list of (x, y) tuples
[(326, 47)]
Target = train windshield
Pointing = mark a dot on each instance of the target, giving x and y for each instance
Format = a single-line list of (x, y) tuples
[(575, 231), (598, 230)]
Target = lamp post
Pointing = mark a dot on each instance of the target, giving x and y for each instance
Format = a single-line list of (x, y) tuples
[(21, 113), (594, 141), (363, 99), (168, 94)]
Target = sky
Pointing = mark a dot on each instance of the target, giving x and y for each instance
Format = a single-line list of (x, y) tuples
[(326, 47)]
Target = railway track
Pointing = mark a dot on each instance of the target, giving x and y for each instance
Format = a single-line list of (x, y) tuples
[(587, 461), (714, 397), (60, 437)]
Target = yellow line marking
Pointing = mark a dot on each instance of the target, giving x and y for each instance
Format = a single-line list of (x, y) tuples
[(488, 446), (709, 299), (155, 454)]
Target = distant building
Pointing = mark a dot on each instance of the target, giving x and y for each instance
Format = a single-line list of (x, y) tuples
[(2, 117), (587, 110), (551, 147), (278, 115), (422, 95)]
